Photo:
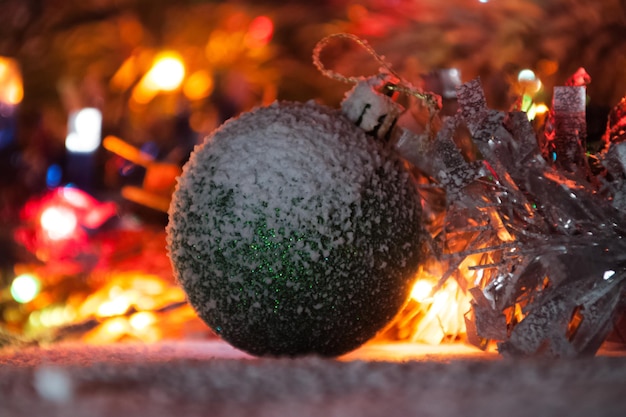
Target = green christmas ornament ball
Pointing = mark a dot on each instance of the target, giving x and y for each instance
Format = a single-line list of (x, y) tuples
[(292, 232)]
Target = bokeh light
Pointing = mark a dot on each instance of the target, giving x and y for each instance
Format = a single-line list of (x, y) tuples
[(421, 290), (260, 32), (25, 288), (529, 81), (11, 89), (199, 85), (58, 222), (167, 73), (84, 131)]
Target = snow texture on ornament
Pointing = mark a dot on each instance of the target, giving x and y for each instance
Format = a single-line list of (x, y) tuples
[(293, 232)]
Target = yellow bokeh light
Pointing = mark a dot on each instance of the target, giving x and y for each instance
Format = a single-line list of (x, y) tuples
[(25, 288), (142, 93), (536, 110), (142, 320), (167, 73), (116, 326), (115, 307), (421, 290), (52, 316), (130, 306)]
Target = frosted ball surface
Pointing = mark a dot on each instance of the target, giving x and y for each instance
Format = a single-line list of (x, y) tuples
[(294, 233)]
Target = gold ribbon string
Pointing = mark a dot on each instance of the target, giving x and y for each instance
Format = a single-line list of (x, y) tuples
[(433, 101)]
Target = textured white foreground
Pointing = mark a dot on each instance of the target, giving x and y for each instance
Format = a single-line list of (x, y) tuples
[(211, 379)]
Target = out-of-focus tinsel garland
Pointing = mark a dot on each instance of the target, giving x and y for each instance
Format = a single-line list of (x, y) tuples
[(548, 240)]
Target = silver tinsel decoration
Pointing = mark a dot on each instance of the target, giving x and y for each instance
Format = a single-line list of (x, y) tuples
[(547, 238), (543, 230)]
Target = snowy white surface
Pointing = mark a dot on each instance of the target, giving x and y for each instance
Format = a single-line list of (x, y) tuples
[(210, 378)]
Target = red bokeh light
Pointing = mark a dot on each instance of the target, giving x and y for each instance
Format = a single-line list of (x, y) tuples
[(261, 30)]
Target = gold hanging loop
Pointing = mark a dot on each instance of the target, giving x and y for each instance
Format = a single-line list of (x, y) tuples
[(433, 101)]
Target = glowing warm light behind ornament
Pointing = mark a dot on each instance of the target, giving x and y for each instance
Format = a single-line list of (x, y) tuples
[(25, 288), (84, 131), (436, 311), (58, 222), (421, 290)]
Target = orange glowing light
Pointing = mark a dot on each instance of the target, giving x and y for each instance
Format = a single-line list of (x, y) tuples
[(11, 89), (435, 312), (223, 47), (547, 67), (116, 326), (114, 307), (126, 74), (537, 110), (143, 94), (422, 290), (199, 85), (443, 315), (166, 74), (142, 320), (131, 30), (357, 12), (128, 305)]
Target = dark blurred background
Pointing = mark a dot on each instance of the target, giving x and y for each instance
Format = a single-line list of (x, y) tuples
[(93, 53)]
